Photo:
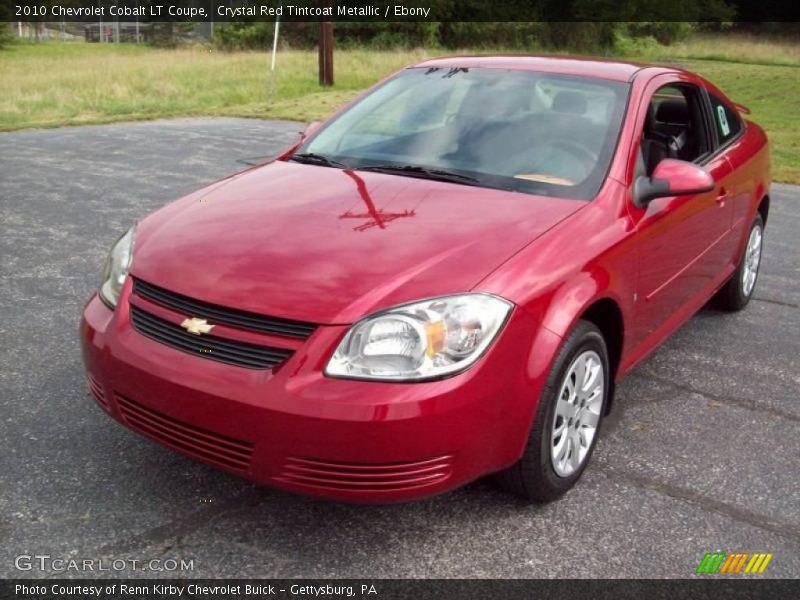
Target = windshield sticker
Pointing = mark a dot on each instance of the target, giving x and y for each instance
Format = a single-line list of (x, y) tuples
[(723, 120)]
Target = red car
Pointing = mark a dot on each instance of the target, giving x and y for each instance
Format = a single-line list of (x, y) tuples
[(443, 281)]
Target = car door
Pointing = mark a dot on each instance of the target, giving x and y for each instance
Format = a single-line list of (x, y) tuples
[(680, 239)]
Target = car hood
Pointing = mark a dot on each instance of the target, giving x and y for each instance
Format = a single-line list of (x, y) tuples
[(330, 246)]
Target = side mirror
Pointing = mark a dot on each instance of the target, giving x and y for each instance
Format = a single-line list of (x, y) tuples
[(311, 128), (672, 178)]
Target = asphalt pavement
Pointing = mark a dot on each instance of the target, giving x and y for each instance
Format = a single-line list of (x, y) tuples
[(701, 454)]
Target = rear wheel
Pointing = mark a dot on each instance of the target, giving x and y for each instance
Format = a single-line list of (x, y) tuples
[(735, 294), (567, 420)]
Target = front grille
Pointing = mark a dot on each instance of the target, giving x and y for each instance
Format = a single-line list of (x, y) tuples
[(222, 315), (97, 390), (384, 477), (226, 350), (194, 441)]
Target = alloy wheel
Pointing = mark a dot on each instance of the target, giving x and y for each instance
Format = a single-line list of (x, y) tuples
[(752, 259), (577, 414)]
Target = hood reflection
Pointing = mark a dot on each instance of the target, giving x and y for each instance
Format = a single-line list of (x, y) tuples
[(376, 217)]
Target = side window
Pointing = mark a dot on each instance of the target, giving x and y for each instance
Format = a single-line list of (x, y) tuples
[(726, 120), (675, 126)]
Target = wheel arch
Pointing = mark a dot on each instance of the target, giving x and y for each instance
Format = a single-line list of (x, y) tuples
[(605, 312), (763, 208), (606, 315)]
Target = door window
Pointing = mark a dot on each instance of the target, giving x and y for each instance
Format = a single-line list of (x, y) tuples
[(726, 119), (674, 126)]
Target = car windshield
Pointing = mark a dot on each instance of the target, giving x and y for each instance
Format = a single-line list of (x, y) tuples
[(524, 131)]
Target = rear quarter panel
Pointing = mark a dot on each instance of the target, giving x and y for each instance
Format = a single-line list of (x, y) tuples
[(749, 156)]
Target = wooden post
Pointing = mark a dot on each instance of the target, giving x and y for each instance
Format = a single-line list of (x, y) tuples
[(326, 53)]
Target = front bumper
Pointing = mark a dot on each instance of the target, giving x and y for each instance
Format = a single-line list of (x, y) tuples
[(293, 428)]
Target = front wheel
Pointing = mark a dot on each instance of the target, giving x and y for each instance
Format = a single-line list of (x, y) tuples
[(735, 294), (567, 420)]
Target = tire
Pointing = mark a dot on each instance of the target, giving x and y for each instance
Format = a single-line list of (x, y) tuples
[(536, 477), (736, 293)]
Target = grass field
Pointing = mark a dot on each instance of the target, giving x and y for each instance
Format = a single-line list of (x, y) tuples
[(741, 48), (52, 84)]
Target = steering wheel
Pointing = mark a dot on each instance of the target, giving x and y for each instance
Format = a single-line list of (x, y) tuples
[(578, 151), (576, 170)]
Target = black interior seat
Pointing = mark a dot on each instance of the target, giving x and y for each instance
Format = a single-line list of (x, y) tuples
[(567, 120), (669, 132), (672, 116), (655, 146), (673, 119)]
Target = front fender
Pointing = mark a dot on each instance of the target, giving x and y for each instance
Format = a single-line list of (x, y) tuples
[(588, 257)]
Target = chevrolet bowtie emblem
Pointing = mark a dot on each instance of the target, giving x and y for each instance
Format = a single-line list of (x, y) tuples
[(196, 326)]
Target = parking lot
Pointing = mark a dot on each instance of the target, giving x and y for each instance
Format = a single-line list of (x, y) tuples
[(702, 453)]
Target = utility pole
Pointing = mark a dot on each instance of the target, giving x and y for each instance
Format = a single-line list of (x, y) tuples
[(274, 51), (326, 53)]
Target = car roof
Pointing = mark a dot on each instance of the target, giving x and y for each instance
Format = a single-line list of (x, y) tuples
[(614, 70)]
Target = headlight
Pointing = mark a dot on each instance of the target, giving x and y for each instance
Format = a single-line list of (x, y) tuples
[(117, 265), (423, 340)]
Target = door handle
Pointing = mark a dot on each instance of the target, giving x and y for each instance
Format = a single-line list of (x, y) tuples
[(722, 196)]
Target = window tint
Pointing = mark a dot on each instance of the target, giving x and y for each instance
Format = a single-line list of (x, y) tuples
[(726, 120)]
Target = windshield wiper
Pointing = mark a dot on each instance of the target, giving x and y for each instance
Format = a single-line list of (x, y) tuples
[(423, 173), (310, 158)]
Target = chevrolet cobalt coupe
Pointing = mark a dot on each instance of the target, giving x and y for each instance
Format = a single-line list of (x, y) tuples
[(441, 282)]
